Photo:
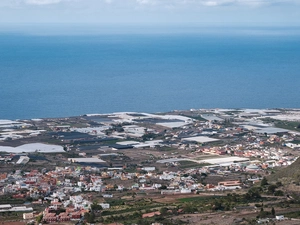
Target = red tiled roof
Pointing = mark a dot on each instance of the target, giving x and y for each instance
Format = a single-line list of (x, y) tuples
[(151, 214)]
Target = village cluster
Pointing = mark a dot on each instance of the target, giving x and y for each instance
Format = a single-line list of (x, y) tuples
[(56, 166)]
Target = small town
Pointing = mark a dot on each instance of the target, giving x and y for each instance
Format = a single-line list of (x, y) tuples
[(198, 166)]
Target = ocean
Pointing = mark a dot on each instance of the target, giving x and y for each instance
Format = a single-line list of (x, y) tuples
[(58, 75)]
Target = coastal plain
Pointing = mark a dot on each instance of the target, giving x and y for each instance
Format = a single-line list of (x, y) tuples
[(197, 166)]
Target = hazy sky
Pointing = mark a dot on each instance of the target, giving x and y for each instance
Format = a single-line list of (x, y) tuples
[(282, 12)]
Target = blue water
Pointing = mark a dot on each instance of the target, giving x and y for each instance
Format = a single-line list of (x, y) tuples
[(65, 75)]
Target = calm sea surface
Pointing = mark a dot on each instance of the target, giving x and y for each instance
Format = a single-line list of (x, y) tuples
[(65, 75)]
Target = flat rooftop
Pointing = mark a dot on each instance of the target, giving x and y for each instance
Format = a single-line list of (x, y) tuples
[(173, 124), (86, 160), (128, 143), (200, 139), (34, 147), (211, 117), (270, 130)]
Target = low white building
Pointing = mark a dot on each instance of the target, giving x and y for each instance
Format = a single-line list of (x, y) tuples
[(27, 216), (105, 205), (280, 217), (185, 191), (23, 160), (148, 168)]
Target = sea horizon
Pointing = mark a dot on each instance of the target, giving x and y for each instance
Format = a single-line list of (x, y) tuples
[(46, 76)]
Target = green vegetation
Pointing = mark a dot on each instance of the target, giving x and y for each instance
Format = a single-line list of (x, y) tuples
[(198, 199), (264, 182), (165, 148), (39, 218), (95, 206), (90, 217), (233, 112), (130, 212), (116, 202), (288, 174), (202, 157), (109, 142), (136, 218), (150, 136), (196, 117), (132, 208), (8, 216), (53, 141), (292, 214), (296, 142), (253, 194), (7, 199), (120, 206), (212, 144), (216, 203), (190, 164), (289, 125)]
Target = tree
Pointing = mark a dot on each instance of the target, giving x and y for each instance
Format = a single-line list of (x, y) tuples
[(189, 208), (163, 211), (272, 189), (264, 182), (262, 213), (279, 193), (163, 187), (203, 175), (95, 206), (253, 193), (39, 218), (217, 205), (89, 217), (273, 211)]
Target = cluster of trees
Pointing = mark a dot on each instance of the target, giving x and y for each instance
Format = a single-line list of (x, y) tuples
[(253, 194), (91, 216), (271, 188), (264, 214), (39, 218), (136, 218), (225, 203), (149, 136), (114, 127), (121, 218), (195, 205)]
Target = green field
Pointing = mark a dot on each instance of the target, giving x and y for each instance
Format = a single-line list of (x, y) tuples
[(289, 125), (191, 164), (198, 199)]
